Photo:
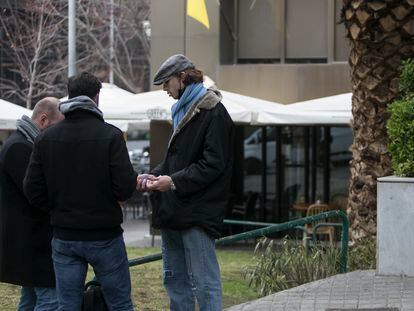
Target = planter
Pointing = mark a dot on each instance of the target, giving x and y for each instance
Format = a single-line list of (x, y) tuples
[(395, 226)]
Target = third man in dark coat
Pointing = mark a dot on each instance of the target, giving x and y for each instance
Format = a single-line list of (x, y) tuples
[(25, 233)]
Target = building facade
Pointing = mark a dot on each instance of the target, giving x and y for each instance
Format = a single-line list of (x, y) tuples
[(279, 50)]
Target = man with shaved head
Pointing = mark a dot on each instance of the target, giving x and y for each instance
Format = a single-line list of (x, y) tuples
[(46, 112), (25, 233)]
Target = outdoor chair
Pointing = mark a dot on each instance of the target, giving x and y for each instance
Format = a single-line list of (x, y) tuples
[(289, 196), (246, 211), (308, 229), (339, 202)]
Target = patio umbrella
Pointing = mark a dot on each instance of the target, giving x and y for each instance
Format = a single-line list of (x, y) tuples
[(156, 105)]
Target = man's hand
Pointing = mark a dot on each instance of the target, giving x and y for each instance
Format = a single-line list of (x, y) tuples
[(143, 181), (161, 183)]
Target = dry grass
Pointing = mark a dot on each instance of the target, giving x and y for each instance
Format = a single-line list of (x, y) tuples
[(147, 290)]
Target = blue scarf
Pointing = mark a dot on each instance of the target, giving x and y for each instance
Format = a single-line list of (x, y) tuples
[(191, 94)]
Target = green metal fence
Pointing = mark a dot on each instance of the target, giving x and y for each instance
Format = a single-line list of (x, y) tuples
[(270, 228)]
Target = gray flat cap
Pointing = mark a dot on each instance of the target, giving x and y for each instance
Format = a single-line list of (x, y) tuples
[(171, 66)]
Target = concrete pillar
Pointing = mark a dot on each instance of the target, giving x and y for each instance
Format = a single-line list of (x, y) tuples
[(395, 226)]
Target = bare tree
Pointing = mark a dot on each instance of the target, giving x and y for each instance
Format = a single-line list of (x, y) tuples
[(32, 41), (35, 41), (130, 61)]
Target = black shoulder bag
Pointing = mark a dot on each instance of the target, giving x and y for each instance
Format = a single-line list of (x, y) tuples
[(93, 299)]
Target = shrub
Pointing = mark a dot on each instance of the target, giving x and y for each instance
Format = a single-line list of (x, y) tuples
[(400, 126), (280, 267), (406, 77), (362, 254), (290, 265)]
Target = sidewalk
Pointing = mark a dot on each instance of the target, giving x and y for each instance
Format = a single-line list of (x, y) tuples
[(137, 233), (359, 290)]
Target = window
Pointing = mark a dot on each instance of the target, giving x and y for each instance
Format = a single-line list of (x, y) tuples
[(305, 43), (260, 30), (281, 31)]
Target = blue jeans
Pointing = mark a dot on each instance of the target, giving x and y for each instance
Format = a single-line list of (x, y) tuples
[(37, 299), (109, 261), (191, 270)]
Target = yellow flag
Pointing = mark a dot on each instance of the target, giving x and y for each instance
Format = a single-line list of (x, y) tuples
[(197, 10)]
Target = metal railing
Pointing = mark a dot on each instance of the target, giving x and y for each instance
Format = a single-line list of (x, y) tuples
[(270, 228)]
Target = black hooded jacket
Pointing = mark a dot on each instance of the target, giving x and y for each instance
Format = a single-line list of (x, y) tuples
[(79, 171)]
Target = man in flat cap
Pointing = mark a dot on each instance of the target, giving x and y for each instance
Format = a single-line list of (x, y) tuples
[(191, 186)]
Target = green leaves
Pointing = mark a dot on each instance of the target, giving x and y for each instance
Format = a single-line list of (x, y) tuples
[(407, 77), (362, 254), (400, 126)]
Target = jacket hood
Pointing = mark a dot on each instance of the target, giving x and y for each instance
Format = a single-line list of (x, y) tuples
[(80, 103)]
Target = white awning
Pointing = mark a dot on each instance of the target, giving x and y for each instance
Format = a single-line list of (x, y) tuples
[(156, 105), (331, 110), (136, 110), (337, 103), (9, 113)]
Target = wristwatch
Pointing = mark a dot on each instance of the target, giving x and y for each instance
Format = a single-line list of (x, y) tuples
[(172, 185)]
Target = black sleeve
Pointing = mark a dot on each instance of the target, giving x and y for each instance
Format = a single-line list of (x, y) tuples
[(123, 176), (158, 170), (214, 160), (34, 184), (16, 162)]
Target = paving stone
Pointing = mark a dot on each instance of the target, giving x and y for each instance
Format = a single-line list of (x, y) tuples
[(371, 309), (358, 289)]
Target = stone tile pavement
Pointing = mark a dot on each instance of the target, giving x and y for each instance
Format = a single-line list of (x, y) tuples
[(359, 290)]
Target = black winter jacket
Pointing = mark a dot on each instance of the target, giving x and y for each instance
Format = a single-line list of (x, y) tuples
[(79, 170), (199, 160), (25, 233)]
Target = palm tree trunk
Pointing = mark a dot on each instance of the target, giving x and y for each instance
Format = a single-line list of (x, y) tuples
[(381, 35)]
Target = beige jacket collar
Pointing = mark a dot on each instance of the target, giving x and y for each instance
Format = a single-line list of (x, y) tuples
[(208, 101)]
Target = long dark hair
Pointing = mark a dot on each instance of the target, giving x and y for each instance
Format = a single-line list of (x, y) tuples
[(193, 76)]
